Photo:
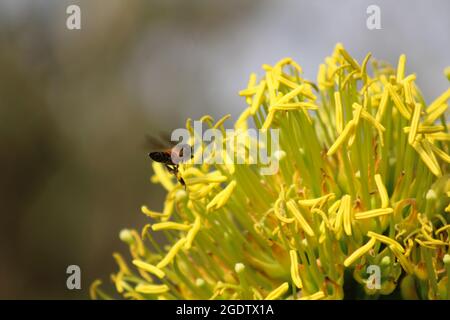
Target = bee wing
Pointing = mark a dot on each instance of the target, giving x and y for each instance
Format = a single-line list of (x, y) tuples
[(153, 143), (165, 136)]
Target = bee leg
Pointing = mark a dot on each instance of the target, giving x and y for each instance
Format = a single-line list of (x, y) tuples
[(171, 169), (174, 170), (182, 182), (179, 178)]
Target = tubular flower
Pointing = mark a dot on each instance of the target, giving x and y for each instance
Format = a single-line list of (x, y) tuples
[(362, 183)]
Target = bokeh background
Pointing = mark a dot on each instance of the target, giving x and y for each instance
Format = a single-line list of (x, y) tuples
[(75, 106)]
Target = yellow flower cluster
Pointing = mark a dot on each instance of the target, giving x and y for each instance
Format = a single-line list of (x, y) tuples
[(363, 181)]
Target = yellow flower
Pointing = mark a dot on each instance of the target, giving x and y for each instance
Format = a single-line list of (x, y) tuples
[(362, 181)]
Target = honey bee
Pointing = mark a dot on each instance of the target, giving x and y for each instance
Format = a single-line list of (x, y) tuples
[(172, 157)]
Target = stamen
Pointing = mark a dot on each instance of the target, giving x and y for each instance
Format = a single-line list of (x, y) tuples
[(316, 296), (316, 201), (407, 266), (398, 102), (192, 233), (257, 100), (149, 268), (222, 197), (171, 254), (348, 130), (152, 288), (279, 214), (121, 263), (292, 206), (438, 101), (347, 214), (432, 116), (401, 68), (278, 292), (221, 121), (294, 106), (373, 213), (382, 191), (382, 105), (294, 269), (440, 153), (425, 129), (428, 159), (268, 121), (442, 229), (359, 252), (152, 214), (386, 240), (338, 112), (349, 58), (170, 226)]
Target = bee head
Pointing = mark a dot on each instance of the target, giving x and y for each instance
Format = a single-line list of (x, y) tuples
[(181, 153)]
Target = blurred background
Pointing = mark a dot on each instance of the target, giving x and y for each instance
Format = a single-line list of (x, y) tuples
[(75, 106)]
